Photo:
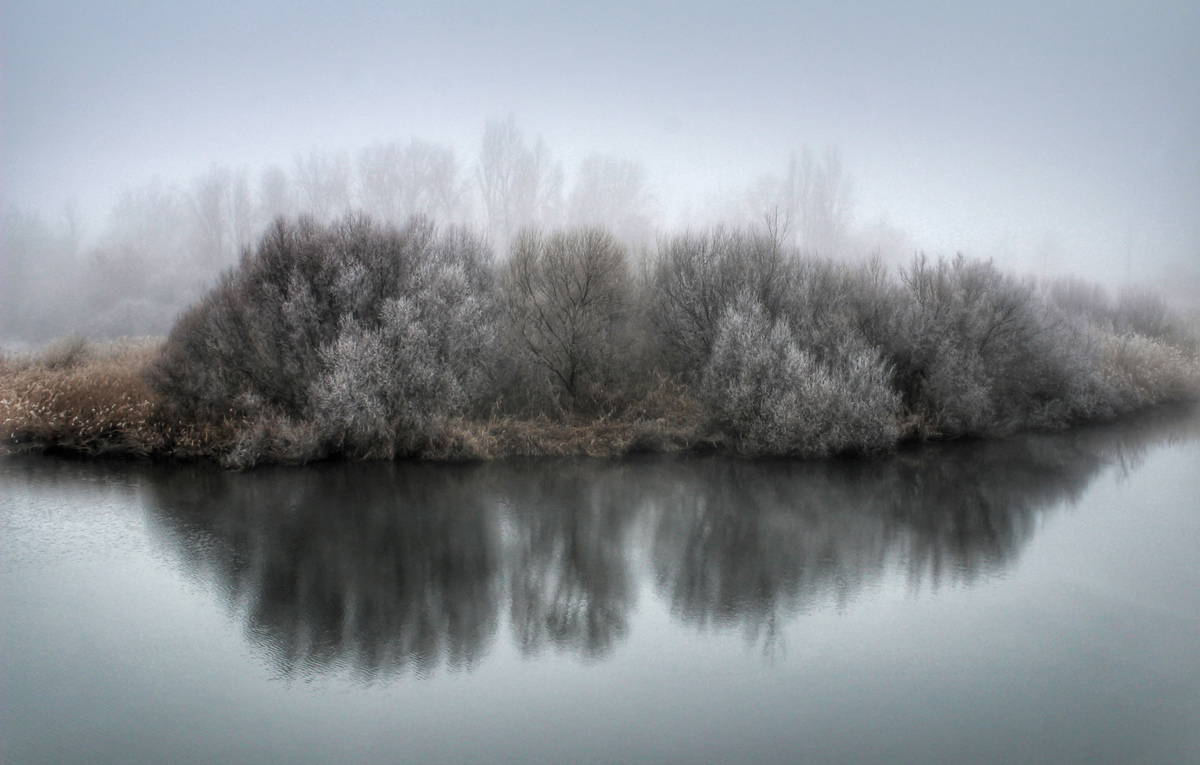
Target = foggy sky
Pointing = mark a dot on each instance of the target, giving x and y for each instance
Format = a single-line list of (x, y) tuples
[(1055, 135)]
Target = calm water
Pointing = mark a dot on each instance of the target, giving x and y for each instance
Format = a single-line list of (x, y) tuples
[(1032, 600)]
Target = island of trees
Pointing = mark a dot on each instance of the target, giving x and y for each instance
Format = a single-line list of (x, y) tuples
[(367, 340)]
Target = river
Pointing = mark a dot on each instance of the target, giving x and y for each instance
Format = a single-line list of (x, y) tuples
[(1033, 599)]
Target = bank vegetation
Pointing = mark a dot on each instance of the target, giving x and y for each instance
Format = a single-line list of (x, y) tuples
[(369, 341)]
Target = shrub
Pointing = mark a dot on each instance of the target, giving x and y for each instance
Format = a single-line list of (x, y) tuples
[(696, 277), (386, 388), (1143, 312), (979, 352), (772, 397), (374, 334), (1139, 371)]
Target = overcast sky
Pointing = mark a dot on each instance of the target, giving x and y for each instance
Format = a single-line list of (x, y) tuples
[(994, 128)]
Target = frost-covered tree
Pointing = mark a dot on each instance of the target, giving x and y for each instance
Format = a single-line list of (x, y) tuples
[(373, 336), (774, 397), (696, 277)]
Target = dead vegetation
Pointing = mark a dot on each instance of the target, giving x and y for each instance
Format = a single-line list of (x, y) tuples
[(92, 399)]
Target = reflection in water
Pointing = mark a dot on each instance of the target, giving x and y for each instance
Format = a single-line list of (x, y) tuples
[(381, 568), (570, 583), (746, 544), (401, 567)]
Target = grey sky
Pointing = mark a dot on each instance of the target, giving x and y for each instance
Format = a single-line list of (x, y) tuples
[(989, 127)]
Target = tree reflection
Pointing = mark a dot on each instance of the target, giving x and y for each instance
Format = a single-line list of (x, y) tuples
[(386, 568), (746, 544), (379, 568), (571, 584)]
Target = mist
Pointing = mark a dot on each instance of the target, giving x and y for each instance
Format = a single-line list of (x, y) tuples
[(144, 146)]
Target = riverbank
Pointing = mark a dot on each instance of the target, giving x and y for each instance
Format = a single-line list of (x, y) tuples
[(92, 399)]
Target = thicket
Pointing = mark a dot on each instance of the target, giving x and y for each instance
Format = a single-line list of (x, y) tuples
[(350, 338), (371, 340)]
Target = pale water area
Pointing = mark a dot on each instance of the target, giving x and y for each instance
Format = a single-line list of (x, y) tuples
[(1029, 600)]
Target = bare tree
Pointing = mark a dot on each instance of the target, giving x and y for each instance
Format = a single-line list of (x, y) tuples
[(401, 181), (820, 197), (612, 192), (323, 185), (274, 194), (697, 276), (564, 296), (813, 201), (222, 214), (151, 219), (520, 185)]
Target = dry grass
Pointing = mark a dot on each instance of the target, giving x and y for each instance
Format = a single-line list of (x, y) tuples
[(91, 399), (79, 398)]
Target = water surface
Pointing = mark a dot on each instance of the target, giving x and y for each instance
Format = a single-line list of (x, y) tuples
[(1029, 600)]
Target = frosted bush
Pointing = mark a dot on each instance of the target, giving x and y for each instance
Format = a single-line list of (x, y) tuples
[(978, 352), (697, 277), (772, 397), (373, 335), (387, 389), (1139, 371)]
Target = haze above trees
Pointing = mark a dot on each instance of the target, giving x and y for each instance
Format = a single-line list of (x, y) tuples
[(163, 244)]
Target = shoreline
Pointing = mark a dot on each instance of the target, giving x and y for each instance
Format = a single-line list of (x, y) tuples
[(90, 401)]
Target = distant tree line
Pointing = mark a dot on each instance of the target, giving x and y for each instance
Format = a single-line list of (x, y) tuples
[(163, 245)]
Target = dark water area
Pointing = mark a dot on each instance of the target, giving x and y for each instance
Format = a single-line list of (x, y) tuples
[(1035, 599)]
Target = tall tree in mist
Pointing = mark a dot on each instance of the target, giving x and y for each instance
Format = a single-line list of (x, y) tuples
[(397, 181), (323, 185), (612, 192), (274, 194), (521, 185), (821, 197), (223, 213), (811, 204), (565, 294)]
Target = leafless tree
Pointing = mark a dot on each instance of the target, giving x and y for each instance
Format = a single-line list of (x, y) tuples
[(520, 185), (814, 201), (821, 197), (274, 195), (612, 192), (697, 276), (222, 213), (564, 295), (399, 181), (323, 185)]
